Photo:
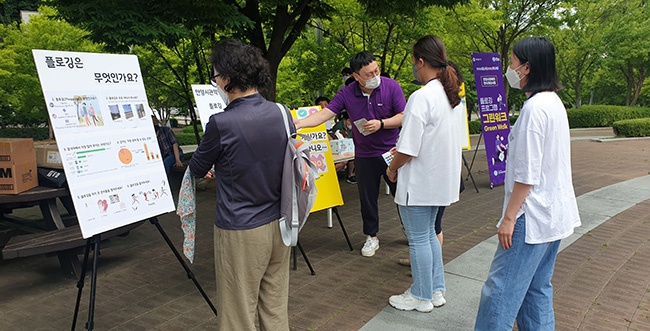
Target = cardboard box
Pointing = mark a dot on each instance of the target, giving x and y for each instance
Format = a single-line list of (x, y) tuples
[(17, 165), (342, 146), (47, 156)]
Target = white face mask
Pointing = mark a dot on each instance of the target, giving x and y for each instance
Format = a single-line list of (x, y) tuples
[(223, 95), (373, 83), (513, 78)]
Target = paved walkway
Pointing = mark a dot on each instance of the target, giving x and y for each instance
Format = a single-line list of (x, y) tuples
[(601, 279), (575, 297)]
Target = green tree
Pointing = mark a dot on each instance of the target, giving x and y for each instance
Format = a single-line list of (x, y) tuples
[(355, 27), (21, 97), (495, 25), (271, 25), (631, 55), (10, 9), (582, 42)]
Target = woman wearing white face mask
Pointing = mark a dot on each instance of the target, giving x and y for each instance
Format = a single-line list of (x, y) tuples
[(539, 206)]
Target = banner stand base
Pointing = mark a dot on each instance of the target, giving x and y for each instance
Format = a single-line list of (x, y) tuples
[(469, 173), (302, 251), (94, 241)]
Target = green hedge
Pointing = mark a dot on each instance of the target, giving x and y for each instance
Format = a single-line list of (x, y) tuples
[(186, 138), (35, 133), (474, 127), (638, 127), (190, 129), (603, 115)]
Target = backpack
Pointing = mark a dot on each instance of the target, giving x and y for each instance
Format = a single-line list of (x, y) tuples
[(298, 187)]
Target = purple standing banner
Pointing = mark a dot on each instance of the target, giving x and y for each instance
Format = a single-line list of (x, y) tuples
[(494, 112)]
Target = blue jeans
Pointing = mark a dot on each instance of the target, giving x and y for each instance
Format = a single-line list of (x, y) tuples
[(519, 286), (169, 161), (427, 268)]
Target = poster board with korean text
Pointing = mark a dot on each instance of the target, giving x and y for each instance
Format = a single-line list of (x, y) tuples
[(490, 92), (100, 115), (329, 191), (208, 102)]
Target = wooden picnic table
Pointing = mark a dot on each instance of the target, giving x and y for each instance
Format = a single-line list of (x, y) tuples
[(54, 233)]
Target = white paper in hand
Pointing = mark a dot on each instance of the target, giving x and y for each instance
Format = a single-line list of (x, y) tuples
[(388, 157), (359, 124)]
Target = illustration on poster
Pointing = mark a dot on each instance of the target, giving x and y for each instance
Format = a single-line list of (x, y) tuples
[(115, 112), (128, 112), (125, 156), (88, 111), (102, 205)]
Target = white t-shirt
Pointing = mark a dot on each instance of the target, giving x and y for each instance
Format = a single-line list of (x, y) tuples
[(539, 154), (429, 134)]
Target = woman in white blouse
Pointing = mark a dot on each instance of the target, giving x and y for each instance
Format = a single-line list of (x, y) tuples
[(426, 165), (540, 207)]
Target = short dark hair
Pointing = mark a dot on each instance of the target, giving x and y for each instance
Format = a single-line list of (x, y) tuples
[(346, 71), (243, 64), (539, 53), (321, 98), (361, 60), (342, 116)]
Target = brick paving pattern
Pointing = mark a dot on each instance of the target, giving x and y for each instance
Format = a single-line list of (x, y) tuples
[(601, 280)]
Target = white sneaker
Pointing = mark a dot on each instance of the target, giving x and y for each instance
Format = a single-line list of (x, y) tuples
[(370, 247), (438, 299), (406, 301)]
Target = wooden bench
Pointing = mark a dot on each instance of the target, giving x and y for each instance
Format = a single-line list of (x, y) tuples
[(64, 242), (43, 243)]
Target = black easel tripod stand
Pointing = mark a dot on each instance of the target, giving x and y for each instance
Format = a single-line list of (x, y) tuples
[(94, 241)]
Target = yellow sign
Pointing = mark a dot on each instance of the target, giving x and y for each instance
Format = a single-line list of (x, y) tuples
[(329, 192), (463, 100)]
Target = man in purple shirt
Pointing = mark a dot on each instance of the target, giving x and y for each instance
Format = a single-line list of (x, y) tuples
[(380, 102)]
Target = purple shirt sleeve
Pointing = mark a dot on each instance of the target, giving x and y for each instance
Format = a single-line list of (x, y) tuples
[(338, 103)]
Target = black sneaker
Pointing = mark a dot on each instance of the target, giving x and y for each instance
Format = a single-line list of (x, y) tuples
[(352, 179)]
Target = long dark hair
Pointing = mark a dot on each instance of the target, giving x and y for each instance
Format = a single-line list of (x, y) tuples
[(432, 50)]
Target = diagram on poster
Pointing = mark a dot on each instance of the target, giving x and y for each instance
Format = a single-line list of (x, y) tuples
[(105, 137)]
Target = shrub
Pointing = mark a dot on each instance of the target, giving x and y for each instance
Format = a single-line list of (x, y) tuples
[(603, 115), (190, 129), (474, 127), (638, 127), (186, 138), (37, 133)]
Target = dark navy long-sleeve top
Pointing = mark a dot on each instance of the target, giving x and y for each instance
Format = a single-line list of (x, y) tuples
[(246, 145)]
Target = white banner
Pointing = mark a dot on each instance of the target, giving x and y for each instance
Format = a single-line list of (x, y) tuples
[(208, 102), (102, 122)]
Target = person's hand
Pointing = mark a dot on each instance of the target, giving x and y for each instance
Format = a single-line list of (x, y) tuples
[(392, 176), (393, 150), (210, 174), (506, 229), (296, 123), (178, 163), (372, 126)]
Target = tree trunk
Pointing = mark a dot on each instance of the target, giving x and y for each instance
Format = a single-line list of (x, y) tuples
[(638, 84), (578, 90), (270, 91)]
